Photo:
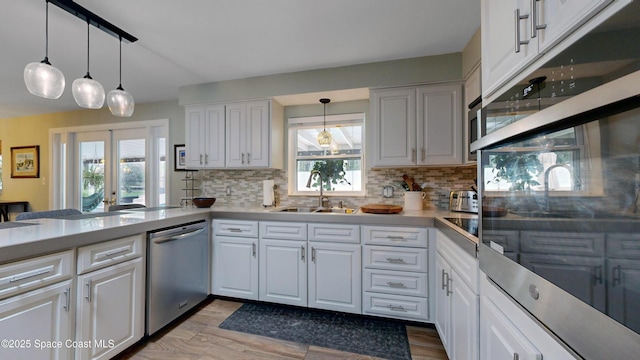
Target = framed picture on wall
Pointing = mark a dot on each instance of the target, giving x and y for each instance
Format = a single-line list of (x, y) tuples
[(180, 157), (25, 162)]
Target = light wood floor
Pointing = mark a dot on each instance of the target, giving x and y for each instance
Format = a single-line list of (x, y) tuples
[(199, 338)]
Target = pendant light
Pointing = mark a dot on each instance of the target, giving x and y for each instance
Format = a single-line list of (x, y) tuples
[(41, 78), (324, 138), (120, 102), (87, 92)]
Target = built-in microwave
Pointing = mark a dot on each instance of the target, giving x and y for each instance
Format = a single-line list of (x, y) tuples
[(559, 186), (473, 126)]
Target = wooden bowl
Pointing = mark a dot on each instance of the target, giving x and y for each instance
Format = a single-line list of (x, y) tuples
[(203, 202)]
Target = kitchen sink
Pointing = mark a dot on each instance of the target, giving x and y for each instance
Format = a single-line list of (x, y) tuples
[(316, 210)]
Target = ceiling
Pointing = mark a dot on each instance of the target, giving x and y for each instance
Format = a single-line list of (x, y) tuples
[(200, 41)]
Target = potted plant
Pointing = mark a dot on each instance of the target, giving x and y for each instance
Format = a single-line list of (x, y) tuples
[(332, 172)]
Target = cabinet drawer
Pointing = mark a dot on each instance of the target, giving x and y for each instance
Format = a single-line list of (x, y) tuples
[(334, 233), (108, 253), (566, 243), (396, 306), (395, 258), (20, 276), (625, 246), (235, 228), (394, 236), (395, 282), (283, 230)]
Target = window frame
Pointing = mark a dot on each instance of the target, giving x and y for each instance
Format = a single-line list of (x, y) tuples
[(295, 123)]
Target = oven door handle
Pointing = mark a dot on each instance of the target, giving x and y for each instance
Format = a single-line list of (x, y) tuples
[(163, 239)]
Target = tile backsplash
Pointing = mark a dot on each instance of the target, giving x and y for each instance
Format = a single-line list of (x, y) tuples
[(245, 186)]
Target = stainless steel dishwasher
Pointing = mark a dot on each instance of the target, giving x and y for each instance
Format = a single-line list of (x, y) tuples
[(177, 272)]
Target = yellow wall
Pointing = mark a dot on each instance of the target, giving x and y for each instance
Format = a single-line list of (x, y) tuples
[(34, 130)]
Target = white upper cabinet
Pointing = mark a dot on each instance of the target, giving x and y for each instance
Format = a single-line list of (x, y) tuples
[(204, 134), (514, 33), (248, 134), (417, 125), (240, 135)]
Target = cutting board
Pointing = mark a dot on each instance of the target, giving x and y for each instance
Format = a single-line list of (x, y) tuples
[(381, 209)]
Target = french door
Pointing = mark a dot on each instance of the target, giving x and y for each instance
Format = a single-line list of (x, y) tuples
[(95, 167)]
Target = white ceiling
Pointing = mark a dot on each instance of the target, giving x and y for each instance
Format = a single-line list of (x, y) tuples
[(200, 41)]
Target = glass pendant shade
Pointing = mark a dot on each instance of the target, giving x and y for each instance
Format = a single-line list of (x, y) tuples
[(88, 93), (44, 80), (120, 102), (324, 139)]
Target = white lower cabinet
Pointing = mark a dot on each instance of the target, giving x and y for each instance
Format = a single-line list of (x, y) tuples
[(395, 272), (110, 297), (334, 277), (456, 300), (283, 271), (235, 267), (508, 332), (235, 259), (110, 310), (38, 324)]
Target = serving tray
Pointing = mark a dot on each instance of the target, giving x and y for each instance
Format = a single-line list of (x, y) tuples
[(381, 209)]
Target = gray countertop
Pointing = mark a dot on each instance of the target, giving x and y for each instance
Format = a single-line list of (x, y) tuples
[(42, 236)]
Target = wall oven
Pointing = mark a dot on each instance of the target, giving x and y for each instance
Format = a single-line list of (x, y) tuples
[(559, 163)]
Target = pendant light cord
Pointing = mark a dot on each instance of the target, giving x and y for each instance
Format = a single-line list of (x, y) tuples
[(120, 79), (46, 33), (88, 52), (324, 117)]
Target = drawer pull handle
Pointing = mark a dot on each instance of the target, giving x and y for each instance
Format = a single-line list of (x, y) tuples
[(396, 284), (396, 308), (302, 252), (31, 274), (395, 260), (396, 238), (253, 249), (236, 230)]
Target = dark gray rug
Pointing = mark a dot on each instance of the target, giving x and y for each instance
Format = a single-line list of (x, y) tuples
[(356, 334)]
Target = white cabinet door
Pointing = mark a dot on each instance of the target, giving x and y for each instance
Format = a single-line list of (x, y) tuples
[(335, 282), (464, 320), (258, 134), (439, 125), (204, 136), (394, 121), (110, 309), (500, 29), (443, 304), (44, 314), (562, 17), (235, 267), (499, 338), (236, 124), (283, 271), (214, 132)]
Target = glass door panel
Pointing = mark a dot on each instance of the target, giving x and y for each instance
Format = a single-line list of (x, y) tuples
[(131, 171), (93, 173)]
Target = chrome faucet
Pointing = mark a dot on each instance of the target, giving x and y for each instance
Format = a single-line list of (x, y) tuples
[(321, 199), (546, 181)]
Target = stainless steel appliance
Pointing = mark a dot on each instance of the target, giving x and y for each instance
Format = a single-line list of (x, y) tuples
[(568, 250), (473, 125), (463, 201), (177, 272)]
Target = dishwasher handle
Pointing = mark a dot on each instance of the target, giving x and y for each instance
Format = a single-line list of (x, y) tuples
[(172, 237)]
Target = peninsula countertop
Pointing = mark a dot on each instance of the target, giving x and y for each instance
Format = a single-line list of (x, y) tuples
[(41, 236)]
